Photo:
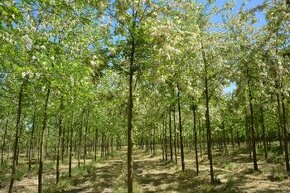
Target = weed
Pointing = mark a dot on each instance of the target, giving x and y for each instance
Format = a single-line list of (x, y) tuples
[(229, 187), (63, 185), (231, 166), (277, 174)]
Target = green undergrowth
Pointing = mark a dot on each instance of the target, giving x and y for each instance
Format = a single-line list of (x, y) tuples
[(79, 174), (231, 166), (230, 186), (5, 173), (120, 185), (278, 174), (66, 183), (63, 186), (275, 158)]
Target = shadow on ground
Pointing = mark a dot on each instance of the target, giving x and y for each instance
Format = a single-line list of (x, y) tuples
[(99, 179), (155, 175)]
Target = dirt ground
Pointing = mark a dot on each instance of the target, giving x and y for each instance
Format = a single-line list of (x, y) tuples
[(152, 174)]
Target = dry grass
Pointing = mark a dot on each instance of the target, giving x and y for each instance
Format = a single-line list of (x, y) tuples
[(234, 172)]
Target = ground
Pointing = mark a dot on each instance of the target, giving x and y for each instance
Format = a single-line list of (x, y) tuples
[(152, 174)]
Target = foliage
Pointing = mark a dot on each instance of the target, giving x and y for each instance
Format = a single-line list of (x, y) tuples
[(85, 52)]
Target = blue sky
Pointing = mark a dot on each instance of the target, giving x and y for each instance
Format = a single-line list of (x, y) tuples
[(230, 88), (249, 4)]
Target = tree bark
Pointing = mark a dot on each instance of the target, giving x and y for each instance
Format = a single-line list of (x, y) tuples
[(253, 137), (154, 141), (175, 136), (162, 139), (4, 141), (96, 144), (279, 122), (285, 130), (63, 143), (180, 129), (207, 115), (165, 138), (71, 144), (195, 138), (263, 131), (80, 138), (59, 139), (85, 140), (170, 136), (201, 136), (130, 117), (31, 139), (41, 144), (16, 138)]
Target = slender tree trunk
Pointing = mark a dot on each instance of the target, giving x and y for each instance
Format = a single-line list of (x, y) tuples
[(238, 139), (263, 131), (224, 139), (253, 138), (96, 143), (107, 145), (278, 85), (180, 130), (31, 139), (45, 149), (19, 143), (80, 138), (195, 138), (232, 138), (63, 143), (85, 140), (247, 128), (130, 118), (59, 139), (4, 142), (170, 136), (103, 144), (154, 141), (67, 142), (17, 129), (279, 122), (71, 144), (44, 124), (27, 149), (165, 138), (285, 130), (279, 136), (8, 153), (175, 137), (67, 139), (207, 116), (201, 136), (112, 145)]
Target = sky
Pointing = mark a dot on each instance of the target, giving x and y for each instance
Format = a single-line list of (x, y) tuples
[(230, 88), (249, 5)]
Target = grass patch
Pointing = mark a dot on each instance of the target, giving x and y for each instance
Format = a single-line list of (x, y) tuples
[(229, 186), (275, 157), (241, 150), (275, 149), (277, 174), (62, 186), (231, 166)]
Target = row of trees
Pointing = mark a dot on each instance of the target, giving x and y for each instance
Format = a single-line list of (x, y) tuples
[(75, 74)]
